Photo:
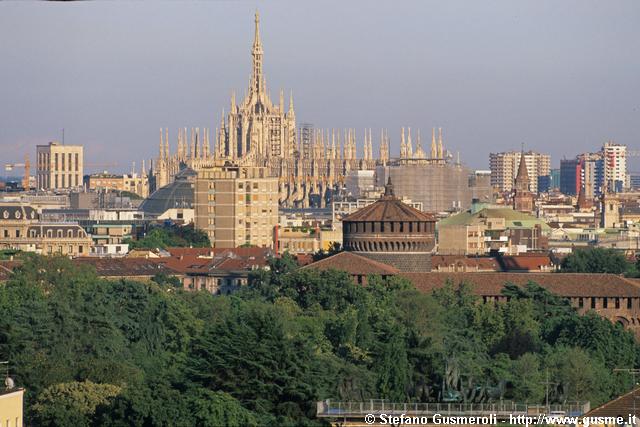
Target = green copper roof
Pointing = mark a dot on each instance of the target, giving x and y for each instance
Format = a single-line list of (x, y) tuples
[(513, 219)]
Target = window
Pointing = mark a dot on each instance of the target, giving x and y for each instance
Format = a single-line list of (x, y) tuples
[(76, 168), (617, 302), (6, 233), (80, 249), (580, 302), (593, 302), (629, 303), (605, 302), (59, 234), (17, 233)]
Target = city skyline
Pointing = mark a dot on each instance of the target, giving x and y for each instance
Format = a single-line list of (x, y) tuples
[(112, 93)]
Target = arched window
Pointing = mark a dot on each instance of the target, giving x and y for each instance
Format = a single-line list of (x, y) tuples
[(59, 234)]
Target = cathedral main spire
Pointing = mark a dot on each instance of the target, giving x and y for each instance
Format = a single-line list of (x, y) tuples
[(257, 78)]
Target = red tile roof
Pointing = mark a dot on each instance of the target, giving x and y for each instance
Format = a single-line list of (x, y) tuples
[(353, 264), (564, 284), (125, 267), (526, 262), (621, 406), (388, 209), (243, 252), (209, 260)]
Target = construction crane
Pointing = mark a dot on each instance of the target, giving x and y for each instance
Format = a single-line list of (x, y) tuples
[(27, 171)]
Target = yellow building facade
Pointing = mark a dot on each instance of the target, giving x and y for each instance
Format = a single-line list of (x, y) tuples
[(11, 408), (236, 206)]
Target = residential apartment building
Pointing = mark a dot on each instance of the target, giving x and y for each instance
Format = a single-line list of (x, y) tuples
[(592, 174), (59, 166), (236, 205), (504, 168), (615, 166), (503, 230)]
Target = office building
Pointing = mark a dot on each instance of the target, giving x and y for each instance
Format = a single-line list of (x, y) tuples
[(570, 179), (59, 166)]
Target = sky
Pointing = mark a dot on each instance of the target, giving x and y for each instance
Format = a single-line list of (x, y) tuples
[(560, 77)]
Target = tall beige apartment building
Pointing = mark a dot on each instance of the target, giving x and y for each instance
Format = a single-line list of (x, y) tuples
[(236, 205), (504, 168), (59, 166)]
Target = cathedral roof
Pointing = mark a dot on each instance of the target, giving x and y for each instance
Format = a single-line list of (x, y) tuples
[(388, 208)]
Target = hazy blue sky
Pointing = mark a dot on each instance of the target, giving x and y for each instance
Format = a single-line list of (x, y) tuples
[(560, 76)]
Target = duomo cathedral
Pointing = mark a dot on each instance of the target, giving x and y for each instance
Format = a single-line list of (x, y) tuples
[(256, 132)]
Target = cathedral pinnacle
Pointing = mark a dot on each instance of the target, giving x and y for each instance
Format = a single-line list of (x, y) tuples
[(257, 45)]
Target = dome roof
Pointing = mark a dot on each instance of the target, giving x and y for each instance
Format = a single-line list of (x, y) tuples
[(388, 208), (178, 194)]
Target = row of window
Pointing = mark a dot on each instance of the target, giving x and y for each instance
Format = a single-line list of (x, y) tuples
[(385, 226), (58, 250), (605, 302), (616, 302), (34, 233)]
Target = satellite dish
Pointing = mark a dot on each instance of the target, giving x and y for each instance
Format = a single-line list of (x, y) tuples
[(9, 383)]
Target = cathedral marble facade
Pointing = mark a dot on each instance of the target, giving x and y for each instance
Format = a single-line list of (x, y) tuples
[(257, 132)]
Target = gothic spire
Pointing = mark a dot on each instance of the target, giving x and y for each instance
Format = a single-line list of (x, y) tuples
[(522, 178), (291, 101), (434, 147), (257, 79)]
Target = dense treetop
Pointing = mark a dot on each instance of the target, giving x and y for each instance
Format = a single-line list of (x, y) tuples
[(92, 352), (171, 236)]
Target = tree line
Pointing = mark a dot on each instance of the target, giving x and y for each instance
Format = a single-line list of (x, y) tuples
[(93, 352)]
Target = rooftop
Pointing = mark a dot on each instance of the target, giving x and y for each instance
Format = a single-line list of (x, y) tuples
[(563, 284), (355, 265), (388, 208)]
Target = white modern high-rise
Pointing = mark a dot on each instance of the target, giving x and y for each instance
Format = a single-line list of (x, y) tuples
[(615, 165), (504, 168)]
